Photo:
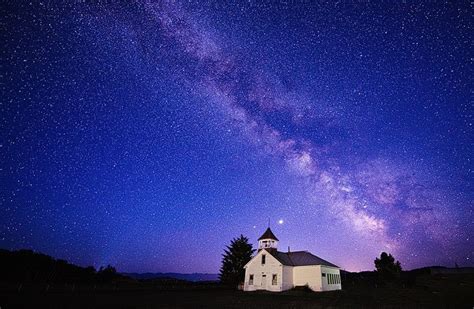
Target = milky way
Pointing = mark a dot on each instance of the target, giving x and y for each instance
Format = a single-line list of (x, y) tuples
[(137, 135)]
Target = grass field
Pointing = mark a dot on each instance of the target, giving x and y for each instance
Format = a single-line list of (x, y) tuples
[(428, 292)]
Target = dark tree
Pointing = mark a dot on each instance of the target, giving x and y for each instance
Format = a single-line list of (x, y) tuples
[(107, 274), (386, 266), (237, 254)]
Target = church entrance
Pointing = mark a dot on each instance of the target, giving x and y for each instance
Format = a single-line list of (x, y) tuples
[(264, 281)]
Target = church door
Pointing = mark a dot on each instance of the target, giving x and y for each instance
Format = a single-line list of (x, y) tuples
[(264, 281)]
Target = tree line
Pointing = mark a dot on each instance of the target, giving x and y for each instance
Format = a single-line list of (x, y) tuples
[(29, 266)]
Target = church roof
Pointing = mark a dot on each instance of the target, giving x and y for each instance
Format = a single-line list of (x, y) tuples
[(268, 235), (300, 258)]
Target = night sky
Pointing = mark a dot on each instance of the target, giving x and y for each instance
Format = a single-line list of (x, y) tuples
[(148, 135)]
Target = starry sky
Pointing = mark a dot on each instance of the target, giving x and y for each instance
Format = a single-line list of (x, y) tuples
[(147, 135)]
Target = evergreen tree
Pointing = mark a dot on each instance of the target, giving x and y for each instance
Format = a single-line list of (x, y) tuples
[(237, 254), (386, 266)]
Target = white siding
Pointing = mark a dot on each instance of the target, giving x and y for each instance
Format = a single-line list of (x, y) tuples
[(287, 278), (325, 282), (272, 266), (308, 276)]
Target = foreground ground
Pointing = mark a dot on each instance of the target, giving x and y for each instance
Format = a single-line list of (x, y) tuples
[(429, 292)]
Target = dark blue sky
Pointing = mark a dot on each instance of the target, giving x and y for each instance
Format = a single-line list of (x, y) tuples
[(147, 136)]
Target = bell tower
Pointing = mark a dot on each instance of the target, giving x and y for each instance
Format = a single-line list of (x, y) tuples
[(268, 241)]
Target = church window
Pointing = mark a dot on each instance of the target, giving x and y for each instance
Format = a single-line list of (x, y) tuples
[(324, 274), (274, 279), (251, 279), (263, 259)]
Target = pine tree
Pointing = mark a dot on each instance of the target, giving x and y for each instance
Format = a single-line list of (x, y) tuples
[(386, 266), (237, 254)]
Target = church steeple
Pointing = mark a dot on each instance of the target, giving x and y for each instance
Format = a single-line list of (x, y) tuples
[(268, 241)]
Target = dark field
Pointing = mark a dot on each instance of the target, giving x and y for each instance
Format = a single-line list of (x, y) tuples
[(451, 291)]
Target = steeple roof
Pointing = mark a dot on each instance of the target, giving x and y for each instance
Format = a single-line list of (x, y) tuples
[(268, 235)]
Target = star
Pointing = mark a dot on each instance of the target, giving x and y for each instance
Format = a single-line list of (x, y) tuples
[(150, 123)]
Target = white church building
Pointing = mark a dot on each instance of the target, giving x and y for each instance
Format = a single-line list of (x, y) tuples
[(277, 271)]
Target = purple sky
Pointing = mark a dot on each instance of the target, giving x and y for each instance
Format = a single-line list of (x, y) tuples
[(147, 136)]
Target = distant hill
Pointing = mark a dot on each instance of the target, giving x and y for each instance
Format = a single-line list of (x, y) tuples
[(29, 266), (188, 277), (428, 270)]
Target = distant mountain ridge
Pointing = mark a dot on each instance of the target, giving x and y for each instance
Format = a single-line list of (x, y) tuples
[(187, 277)]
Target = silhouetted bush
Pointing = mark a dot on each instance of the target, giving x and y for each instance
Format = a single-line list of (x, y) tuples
[(106, 274)]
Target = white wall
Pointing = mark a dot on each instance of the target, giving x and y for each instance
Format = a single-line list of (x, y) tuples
[(308, 275), (312, 277), (255, 267), (287, 278), (325, 280)]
